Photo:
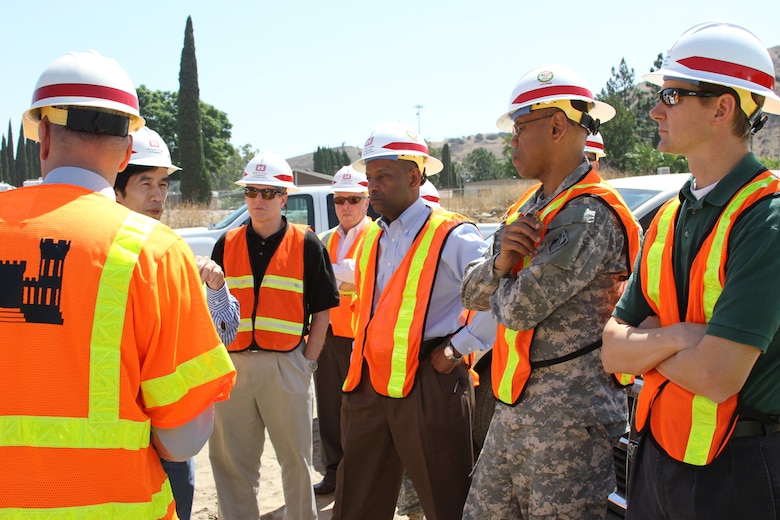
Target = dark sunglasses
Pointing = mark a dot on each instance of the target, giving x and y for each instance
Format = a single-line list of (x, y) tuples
[(354, 199), (265, 193), (671, 96)]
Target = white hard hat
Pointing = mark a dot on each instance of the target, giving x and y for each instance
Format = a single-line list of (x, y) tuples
[(268, 169), (555, 86), (595, 144), (723, 54), (398, 141), (349, 180), (149, 149), (84, 81), (430, 195)]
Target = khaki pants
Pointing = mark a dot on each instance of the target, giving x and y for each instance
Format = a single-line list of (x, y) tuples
[(273, 392)]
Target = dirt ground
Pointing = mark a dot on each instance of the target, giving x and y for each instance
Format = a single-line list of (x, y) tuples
[(270, 499)]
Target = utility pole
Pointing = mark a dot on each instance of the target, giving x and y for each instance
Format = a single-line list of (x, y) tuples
[(418, 107)]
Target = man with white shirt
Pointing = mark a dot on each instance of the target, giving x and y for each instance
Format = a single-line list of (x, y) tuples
[(350, 198)]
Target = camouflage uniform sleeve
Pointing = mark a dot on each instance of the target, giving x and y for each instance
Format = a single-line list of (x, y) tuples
[(582, 241), (479, 281)]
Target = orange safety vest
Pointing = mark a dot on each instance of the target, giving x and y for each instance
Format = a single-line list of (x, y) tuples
[(690, 428), (341, 316), (278, 311), (96, 350), (390, 338), (512, 365)]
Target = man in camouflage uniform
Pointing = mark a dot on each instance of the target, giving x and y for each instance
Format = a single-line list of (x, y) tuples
[(549, 452)]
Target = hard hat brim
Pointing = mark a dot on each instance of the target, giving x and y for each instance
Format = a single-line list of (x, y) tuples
[(601, 111)]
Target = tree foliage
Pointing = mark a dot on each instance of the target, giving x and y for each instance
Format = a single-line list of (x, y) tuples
[(330, 160), (21, 163), (195, 185), (447, 176), (481, 165)]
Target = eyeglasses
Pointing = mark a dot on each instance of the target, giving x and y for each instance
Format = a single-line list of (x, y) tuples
[(518, 124), (265, 193), (671, 96), (354, 199)]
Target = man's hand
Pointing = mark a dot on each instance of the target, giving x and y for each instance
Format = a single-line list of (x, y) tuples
[(519, 239), (440, 362), (210, 272), (347, 287)]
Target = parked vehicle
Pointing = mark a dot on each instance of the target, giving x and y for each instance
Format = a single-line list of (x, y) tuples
[(313, 205)]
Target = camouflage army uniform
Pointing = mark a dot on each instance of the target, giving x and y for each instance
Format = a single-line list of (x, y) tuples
[(550, 455)]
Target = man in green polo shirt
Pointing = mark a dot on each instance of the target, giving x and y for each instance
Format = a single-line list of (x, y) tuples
[(700, 316)]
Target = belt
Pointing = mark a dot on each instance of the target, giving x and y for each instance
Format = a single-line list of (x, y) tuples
[(753, 428)]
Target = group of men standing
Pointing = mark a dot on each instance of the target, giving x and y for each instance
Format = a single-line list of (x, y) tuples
[(382, 307)]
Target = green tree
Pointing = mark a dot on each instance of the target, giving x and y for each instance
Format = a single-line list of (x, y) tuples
[(508, 170), (4, 169), (619, 133), (195, 185), (160, 109), (447, 175), (232, 169), (20, 164), (329, 160), (11, 163), (481, 165)]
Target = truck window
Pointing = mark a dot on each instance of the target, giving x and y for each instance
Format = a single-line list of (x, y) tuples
[(300, 209)]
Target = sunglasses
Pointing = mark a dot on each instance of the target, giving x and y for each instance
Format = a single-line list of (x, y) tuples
[(354, 199), (671, 96), (265, 193)]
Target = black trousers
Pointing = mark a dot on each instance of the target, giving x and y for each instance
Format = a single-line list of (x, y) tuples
[(328, 381), (743, 482)]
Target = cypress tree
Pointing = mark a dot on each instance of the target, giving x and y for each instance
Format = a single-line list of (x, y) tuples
[(33, 149), (12, 173), (4, 176), (195, 184), (447, 176), (21, 158)]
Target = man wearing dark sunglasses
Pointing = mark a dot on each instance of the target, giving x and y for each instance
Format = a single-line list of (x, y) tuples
[(350, 196), (283, 279), (700, 316)]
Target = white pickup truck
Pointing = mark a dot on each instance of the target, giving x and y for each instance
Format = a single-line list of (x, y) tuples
[(313, 205)]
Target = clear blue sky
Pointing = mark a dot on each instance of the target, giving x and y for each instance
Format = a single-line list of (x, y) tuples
[(294, 75)]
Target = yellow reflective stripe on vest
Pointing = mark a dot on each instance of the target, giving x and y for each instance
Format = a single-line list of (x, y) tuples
[(704, 420), (240, 282), (512, 362), (162, 391), (102, 428), (271, 325), (157, 508), (656, 252), (395, 384), (282, 283)]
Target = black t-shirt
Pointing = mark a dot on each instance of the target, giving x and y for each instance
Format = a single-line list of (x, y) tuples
[(320, 291)]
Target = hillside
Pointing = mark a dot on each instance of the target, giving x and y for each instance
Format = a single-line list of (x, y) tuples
[(766, 143)]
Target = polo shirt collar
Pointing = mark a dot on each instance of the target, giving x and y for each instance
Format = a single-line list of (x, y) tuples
[(728, 185)]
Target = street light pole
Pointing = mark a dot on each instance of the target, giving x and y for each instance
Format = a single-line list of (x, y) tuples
[(418, 107)]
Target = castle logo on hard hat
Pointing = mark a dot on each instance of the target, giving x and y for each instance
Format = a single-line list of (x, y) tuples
[(260, 168), (347, 176), (369, 141), (545, 76)]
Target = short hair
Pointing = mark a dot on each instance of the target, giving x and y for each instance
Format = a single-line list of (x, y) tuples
[(741, 126), (123, 177)]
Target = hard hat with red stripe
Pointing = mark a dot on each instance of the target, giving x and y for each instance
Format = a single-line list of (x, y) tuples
[(556, 86), (725, 54), (595, 144), (430, 195), (87, 92), (150, 150), (349, 180), (268, 169), (398, 141)]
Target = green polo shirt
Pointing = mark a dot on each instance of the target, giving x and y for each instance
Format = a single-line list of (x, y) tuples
[(748, 310)]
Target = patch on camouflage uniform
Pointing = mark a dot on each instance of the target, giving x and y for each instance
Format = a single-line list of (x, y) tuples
[(559, 241)]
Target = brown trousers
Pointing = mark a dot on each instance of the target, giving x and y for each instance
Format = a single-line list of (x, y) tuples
[(428, 433)]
